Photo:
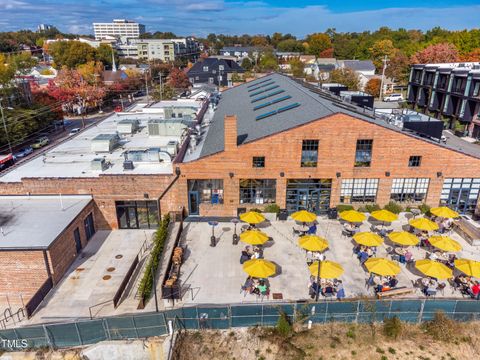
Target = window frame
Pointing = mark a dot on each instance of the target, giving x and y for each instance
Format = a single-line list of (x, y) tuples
[(351, 190), (309, 146), (248, 192), (415, 161), (364, 146), (260, 159), (416, 187)]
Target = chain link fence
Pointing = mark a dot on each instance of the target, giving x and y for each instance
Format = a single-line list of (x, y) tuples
[(230, 316)]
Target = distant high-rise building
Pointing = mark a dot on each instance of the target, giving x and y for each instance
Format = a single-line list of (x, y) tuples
[(117, 28), (44, 27)]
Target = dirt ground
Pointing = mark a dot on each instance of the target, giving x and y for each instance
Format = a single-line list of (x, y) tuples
[(333, 341)]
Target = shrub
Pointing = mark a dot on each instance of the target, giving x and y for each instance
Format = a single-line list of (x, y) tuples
[(344, 207), (393, 207), (441, 327), (272, 208), (392, 350), (256, 210), (284, 326), (351, 333), (392, 327), (146, 284), (424, 208), (408, 209), (372, 207)]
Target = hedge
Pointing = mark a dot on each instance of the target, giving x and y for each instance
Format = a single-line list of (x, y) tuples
[(146, 284)]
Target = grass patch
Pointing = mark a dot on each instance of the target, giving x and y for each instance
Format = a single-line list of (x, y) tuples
[(441, 327), (392, 327)]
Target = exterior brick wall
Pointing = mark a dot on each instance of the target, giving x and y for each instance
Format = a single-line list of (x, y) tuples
[(22, 273), (337, 135)]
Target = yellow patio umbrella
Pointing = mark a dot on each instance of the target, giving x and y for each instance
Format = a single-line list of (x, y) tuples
[(328, 269), (368, 239), (384, 215), (352, 216), (382, 266), (259, 268), (468, 267), (254, 237), (403, 238), (444, 212), (433, 269), (252, 217), (445, 243), (423, 224), (304, 216), (313, 243)]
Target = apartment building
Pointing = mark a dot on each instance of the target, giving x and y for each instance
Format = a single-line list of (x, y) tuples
[(117, 28), (168, 50), (449, 91)]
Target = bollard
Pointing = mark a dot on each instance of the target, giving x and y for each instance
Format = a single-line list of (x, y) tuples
[(309, 326), (170, 327)]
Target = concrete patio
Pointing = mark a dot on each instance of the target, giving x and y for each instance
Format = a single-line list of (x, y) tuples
[(215, 275)]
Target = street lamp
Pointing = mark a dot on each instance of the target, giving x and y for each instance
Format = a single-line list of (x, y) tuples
[(5, 126), (235, 221), (213, 241)]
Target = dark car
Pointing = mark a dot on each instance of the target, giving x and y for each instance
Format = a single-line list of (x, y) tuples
[(23, 152)]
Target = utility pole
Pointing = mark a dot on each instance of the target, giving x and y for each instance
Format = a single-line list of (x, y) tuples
[(5, 127), (146, 85), (385, 60), (161, 86)]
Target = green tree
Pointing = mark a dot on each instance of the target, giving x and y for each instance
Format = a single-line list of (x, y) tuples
[(290, 45), (268, 62), (166, 92), (71, 53), (379, 50), (318, 42), (104, 54), (398, 67), (346, 77), (247, 64), (297, 67)]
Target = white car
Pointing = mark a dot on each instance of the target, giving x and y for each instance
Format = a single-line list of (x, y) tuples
[(73, 131), (393, 98)]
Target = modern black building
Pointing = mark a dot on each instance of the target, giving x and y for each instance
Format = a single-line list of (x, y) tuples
[(214, 71), (450, 91)]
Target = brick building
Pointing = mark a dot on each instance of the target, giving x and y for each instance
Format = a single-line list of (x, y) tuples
[(41, 236), (269, 141)]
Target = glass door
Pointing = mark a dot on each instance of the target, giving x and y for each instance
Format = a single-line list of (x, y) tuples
[(458, 199), (193, 208), (78, 242), (302, 200)]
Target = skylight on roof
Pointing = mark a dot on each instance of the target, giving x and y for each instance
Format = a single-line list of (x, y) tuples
[(280, 110), (274, 101), (264, 90), (258, 83), (267, 95), (261, 86)]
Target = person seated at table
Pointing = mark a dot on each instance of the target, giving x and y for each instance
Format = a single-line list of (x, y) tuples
[(433, 256), (408, 256), (448, 223), (257, 252), (393, 282), (318, 256), (314, 289), (430, 289), (451, 261), (370, 251), (475, 290), (244, 257), (340, 290), (312, 230), (328, 290), (248, 250), (248, 286), (262, 287), (362, 256)]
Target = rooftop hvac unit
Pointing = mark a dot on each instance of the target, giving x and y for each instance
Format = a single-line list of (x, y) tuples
[(98, 164), (127, 126), (153, 128), (128, 165), (105, 142)]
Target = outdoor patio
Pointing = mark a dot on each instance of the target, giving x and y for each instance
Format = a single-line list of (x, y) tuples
[(215, 275)]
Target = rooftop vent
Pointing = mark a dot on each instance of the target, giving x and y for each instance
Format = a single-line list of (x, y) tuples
[(128, 126), (128, 165), (98, 164)]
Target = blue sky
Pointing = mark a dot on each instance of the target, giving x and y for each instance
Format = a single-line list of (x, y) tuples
[(197, 17)]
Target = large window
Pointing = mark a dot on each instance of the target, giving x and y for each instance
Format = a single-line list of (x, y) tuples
[(359, 190), (363, 154), (209, 191), (89, 226), (137, 214), (309, 153), (409, 190), (257, 191), (461, 194)]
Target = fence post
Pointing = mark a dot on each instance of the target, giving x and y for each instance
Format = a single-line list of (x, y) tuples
[(390, 308), (420, 313), (78, 333), (106, 329), (165, 322), (229, 316), (262, 315), (454, 309), (358, 312), (47, 337), (134, 326), (326, 312), (198, 318)]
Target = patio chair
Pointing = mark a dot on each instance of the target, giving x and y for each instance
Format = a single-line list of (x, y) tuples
[(441, 287)]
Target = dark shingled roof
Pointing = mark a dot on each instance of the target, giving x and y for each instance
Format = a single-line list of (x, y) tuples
[(359, 65), (237, 101)]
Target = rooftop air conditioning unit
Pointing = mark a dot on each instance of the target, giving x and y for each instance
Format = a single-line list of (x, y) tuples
[(98, 164), (128, 165)]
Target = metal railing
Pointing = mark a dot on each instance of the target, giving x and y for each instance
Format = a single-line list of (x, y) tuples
[(230, 316)]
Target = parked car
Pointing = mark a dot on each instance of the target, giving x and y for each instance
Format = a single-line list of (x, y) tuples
[(73, 131), (27, 150), (40, 142), (393, 98)]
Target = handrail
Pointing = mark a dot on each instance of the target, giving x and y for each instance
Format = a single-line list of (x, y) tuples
[(93, 306)]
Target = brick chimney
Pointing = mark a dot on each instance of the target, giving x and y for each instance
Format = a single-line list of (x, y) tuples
[(230, 125)]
